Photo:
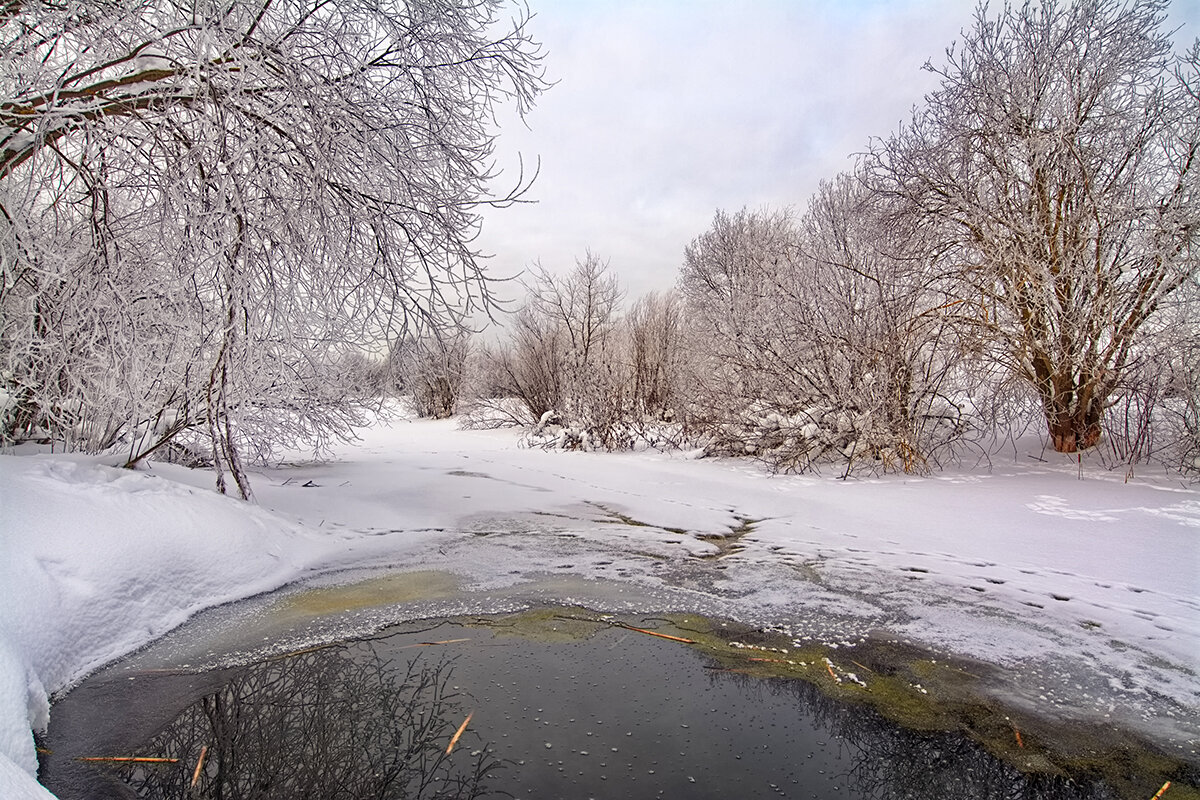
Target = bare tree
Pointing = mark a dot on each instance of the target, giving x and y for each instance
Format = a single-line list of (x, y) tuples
[(1056, 167), (828, 340), (203, 207), (583, 306), (562, 359), (654, 329), (527, 366), (432, 367), (579, 373)]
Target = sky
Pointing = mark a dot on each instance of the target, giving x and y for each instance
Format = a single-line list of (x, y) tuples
[(665, 111)]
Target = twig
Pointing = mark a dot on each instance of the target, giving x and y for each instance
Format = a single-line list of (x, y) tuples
[(199, 766), (1017, 733), (1162, 791), (656, 633), (627, 627), (458, 733), (128, 760), (431, 644)]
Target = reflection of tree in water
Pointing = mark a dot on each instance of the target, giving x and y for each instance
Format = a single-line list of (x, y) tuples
[(340, 722), (889, 762)]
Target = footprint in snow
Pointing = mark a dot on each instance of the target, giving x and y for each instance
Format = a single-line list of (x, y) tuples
[(1057, 507)]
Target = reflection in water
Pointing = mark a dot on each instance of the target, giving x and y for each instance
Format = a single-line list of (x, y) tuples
[(339, 722), (883, 761)]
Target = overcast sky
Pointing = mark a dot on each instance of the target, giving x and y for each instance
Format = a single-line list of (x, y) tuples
[(666, 110)]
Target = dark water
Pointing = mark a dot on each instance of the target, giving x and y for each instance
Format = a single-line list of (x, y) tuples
[(616, 715)]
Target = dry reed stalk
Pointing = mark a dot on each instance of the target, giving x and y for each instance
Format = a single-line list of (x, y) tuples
[(656, 633), (458, 733), (199, 766), (431, 644)]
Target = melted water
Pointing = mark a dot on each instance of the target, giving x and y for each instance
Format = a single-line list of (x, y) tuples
[(617, 714)]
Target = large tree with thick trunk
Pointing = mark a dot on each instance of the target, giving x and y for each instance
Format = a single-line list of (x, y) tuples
[(1058, 166)]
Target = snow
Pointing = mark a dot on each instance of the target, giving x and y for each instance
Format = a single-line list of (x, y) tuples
[(1083, 583)]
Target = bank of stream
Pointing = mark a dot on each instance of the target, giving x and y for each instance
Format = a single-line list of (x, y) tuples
[(393, 687)]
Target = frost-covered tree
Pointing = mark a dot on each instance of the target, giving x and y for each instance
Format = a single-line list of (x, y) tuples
[(654, 330), (431, 367), (205, 205), (562, 357), (824, 337), (884, 352), (1057, 169), (1154, 413), (724, 283), (578, 371)]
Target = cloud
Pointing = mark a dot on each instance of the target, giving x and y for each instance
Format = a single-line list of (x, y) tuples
[(666, 111)]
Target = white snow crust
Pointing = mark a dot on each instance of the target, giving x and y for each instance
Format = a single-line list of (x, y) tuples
[(1083, 583)]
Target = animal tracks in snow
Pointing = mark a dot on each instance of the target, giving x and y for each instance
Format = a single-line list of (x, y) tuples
[(1057, 506), (1186, 513)]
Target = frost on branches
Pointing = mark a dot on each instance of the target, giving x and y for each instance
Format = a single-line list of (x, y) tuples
[(1057, 170), (821, 339), (205, 210), (578, 372), (1025, 248)]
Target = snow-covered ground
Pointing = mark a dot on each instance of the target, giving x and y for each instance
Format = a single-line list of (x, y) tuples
[(1085, 584)]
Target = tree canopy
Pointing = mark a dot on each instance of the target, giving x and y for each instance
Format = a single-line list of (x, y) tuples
[(205, 205), (1058, 165)]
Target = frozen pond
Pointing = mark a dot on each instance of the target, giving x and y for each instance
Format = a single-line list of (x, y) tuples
[(615, 714), (556, 701)]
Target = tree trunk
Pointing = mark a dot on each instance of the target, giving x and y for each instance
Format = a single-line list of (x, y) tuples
[(1071, 432)]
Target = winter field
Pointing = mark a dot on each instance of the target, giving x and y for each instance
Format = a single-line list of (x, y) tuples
[(1085, 586)]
